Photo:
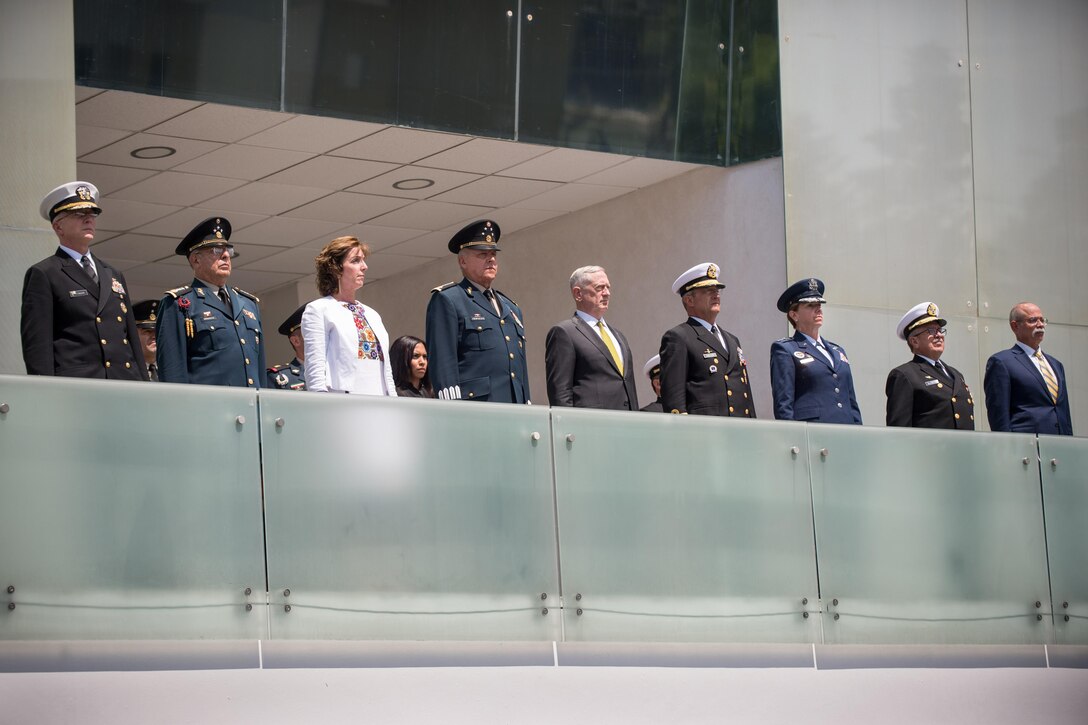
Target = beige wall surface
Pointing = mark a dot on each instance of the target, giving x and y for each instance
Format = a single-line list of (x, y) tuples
[(644, 240), (38, 138)]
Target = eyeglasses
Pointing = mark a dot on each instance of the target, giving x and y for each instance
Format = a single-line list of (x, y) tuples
[(1034, 320), (219, 249), (931, 331), (83, 213)]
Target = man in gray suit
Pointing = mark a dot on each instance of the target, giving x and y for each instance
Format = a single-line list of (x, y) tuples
[(589, 363)]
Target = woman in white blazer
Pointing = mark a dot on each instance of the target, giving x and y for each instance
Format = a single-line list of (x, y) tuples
[(347, 347)]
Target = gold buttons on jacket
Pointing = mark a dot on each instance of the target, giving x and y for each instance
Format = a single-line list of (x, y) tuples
[(103, 342)]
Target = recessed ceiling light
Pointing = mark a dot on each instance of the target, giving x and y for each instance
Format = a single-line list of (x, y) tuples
[(152, 152), (413, 184)]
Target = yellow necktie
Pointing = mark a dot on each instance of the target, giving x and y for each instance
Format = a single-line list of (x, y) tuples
[(611, 348), (1048, 376)]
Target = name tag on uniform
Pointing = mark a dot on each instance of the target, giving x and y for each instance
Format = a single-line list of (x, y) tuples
[(477, 317), (77, 293), (806, 360), (709, 353), (249, 314), (209, 315), (932, 382)]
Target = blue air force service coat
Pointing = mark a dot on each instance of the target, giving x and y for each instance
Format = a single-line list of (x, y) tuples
[(476, 354), (201, 341), (700, 377), (922, 396), (806, 386), (74, 327)]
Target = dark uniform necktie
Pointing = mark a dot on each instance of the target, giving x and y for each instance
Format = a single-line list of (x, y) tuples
[(494, 302), (88, 267), (223, 295)]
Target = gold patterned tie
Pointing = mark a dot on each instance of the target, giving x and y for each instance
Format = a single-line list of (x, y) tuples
[(611, 348), (1048, 375)]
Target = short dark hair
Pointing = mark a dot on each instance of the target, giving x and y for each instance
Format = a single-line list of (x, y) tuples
[(400, 355), (329, 262)]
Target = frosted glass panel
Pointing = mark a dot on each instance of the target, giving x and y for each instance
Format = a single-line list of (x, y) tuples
[(929, 536), (877, 150), (684, 529), (1064, 463), (408, 519), (1029, 101), (129, 511)]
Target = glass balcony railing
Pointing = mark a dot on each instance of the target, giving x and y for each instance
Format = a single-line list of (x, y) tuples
[(139, 511)]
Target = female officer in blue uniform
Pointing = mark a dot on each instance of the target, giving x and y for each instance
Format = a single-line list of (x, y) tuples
[(810, 376)]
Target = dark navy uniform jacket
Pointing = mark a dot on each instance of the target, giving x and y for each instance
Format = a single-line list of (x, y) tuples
[(922, 396), (201, 341), (474, 353), (74, 327), (287, 376), (700, 377), (808, 387), (1017, 399)]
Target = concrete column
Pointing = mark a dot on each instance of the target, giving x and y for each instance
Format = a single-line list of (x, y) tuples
[(37, 144)]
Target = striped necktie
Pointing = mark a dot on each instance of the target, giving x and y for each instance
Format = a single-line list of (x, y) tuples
[(1048, 375)]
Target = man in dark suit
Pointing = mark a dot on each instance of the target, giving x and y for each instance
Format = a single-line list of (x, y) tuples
[(145, 312), (476, 334), (1026, 390), (703, 370), (652, 370), (289, 376), (589, 363), (76, 316), (209, 333), (925, 392)]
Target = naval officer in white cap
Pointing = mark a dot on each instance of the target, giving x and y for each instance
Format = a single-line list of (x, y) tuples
[(703, 369), (77, 316)]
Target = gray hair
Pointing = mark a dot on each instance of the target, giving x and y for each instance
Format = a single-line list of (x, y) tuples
[(580, 276)]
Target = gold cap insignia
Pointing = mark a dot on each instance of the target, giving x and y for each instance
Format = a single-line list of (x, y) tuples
[(218, 234), (712, 271), (931, 310), (488, 238), (83, 193)]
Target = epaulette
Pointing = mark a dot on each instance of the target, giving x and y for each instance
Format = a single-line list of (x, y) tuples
[(784, 339), (277, 368), (177, 291), (443, 287), (500, 292), (246, 294)]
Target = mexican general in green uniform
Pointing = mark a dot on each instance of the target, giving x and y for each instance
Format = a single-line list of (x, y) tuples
[(209, 333), (476, 334)]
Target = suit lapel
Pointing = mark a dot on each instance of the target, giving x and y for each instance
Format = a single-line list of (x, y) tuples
[(1030, 366), (710, 339), (803, 342), (591, 335), (105, 284)]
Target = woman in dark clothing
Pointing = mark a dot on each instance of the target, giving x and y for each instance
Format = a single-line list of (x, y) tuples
[(409, 357)]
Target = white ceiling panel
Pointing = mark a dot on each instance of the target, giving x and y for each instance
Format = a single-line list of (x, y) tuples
[(484, 156), (297, 261), (120, 215), (511, 220), (109, 179), (434, 245), (564, 165), (284, 231), (313, 134), (120, 153), (572, 197), (496, 191), (138, 247), (244, 162), (129, 111), (413, 182), (180, 223), (431, 215), (216, 122), (178, 188), (92, 138), (403, 145), (83, 93), (376, 236), (638, 172), (331, 172), (252, 254), (348, 208), (261, 198)]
